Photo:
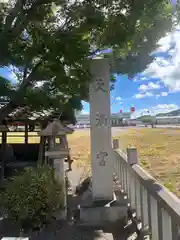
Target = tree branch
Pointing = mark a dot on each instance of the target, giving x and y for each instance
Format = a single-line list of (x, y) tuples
[(19, 94), (13, 14)]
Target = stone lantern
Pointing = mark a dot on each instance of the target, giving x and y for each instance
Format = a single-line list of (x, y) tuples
[(58, 152)]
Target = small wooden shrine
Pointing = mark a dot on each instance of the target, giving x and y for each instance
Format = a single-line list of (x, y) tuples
[(26, 153)]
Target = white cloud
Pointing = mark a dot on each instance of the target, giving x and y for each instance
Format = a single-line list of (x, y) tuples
[(140, 78), (143, 95), (118, 98), (164, 94), (164, 67), (84, 112), (160, 108), (143, 78), (149, 86), (163, 108), (157, 96)]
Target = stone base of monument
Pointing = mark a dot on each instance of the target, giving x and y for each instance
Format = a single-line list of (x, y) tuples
[(61, 215), (102, 214), (14, 238)]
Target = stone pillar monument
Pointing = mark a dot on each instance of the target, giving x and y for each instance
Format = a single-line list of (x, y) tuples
[(101, 149), (99, 206)]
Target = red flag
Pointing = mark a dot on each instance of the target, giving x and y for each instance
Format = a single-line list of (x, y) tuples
[(132, 109), (121, 111)]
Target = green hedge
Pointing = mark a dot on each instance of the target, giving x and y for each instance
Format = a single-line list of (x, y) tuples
[(32, 199)]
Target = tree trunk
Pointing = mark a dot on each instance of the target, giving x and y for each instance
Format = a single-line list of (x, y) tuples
[(17, 98)]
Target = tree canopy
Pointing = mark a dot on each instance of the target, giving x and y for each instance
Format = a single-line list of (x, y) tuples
[(50, 43)]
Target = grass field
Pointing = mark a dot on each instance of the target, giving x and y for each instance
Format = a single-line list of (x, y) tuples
[(158, 150)]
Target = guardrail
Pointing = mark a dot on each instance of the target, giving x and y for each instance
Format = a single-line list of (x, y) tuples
[(157, 208)]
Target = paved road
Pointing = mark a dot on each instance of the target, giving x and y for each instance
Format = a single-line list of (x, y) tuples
[(114, 130), (168, 126)]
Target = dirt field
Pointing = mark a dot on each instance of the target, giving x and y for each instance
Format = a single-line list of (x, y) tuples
[(158, 150), (79, 142), (159, 153)]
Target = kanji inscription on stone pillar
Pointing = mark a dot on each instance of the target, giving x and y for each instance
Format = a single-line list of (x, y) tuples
[(101, 156), (99, 85), (101, 149), (101, 120)]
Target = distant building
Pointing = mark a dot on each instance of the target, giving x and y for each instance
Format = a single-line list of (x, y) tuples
[(117, 119), (159, 120), (168, 120)]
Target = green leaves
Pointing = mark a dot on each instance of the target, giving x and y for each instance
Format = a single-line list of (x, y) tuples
[(61, 35), (6, 89), (33, 198)]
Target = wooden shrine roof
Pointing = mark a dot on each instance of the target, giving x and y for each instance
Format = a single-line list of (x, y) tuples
[(26, 114)]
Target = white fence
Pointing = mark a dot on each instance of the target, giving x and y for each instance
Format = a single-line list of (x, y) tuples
[(156, 207)]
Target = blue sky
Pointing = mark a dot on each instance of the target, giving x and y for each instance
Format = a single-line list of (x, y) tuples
[(7, 73), (155, 90)]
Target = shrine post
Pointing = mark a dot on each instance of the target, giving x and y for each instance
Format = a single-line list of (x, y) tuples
[(100, 116)]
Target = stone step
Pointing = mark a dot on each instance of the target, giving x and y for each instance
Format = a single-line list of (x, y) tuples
[(14, 238), (101, 235)]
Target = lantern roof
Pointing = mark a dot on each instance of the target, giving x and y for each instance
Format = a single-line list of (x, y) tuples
[(56, 128)]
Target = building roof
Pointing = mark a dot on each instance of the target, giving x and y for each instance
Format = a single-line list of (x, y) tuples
[(85, 118), (26, 114), (169, 117), (113, 115), (121, 115)]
